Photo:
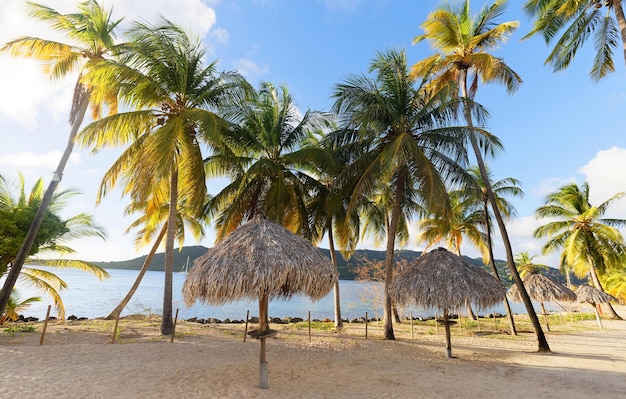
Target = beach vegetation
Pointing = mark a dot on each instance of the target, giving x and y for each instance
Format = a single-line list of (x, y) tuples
[(15, 306), (90, 35), (590, 243), (17, 208)]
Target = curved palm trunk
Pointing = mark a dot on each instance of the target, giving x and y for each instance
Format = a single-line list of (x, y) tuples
[(541, 338), (167, 325), (144, 268), (16, 266), (333, 258), (596, 282), (494, 270), (621, 21), (391, 242)]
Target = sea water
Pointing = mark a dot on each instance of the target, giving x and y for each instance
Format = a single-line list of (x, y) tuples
[(86, 296)]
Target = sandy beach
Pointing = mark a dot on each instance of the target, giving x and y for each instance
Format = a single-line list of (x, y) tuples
[(79, 360)]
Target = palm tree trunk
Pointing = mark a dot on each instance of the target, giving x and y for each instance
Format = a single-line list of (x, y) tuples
[(333, 258), (541, 338), (391, 242), (120, 307), (167, 325), (621, 21), (16, 265), (494, 270), (596, 282)]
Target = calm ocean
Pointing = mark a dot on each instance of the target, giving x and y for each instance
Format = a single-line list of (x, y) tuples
[(86, 296)]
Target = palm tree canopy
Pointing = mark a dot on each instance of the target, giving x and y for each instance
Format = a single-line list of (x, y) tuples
[(259, 258), (465, 41), (525, 265), (580, 230), (570, 24), (271, 168), (91, 34)]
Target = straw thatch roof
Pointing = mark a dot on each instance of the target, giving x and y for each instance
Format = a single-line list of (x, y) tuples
[(592, 295), (259, 258), (440, 279), (541, 289)]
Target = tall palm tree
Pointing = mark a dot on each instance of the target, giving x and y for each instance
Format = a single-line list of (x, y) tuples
[(505, 187), (17, 209), (576, 21), (173, 99), (328, 209), (90, 34), (411, 146), (591, 244), (465, 42), (267, 163)]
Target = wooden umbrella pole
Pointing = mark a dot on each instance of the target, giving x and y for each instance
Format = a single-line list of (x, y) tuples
[(245, 332), (412, 334), (174, 328), (309, 318), (446, 321), (545, 316), (263, 328)]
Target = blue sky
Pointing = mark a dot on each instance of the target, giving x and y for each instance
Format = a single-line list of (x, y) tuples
[(556, 129)]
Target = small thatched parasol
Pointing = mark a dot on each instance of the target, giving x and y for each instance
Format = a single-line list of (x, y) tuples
[(440, 279), (593, 296), (541, 289), (260, 260)]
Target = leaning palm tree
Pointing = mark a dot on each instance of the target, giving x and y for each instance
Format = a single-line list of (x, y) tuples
[(152, 226), (576, 22), (591, 244), (17, 209), (173, 99), (90, 34), (465, 42), (271, 171), (411, 145)]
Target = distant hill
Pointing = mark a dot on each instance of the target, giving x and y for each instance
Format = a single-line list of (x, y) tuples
[(346, 267)]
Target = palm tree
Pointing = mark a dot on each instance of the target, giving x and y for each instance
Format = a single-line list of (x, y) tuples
[(152, 227), (410, 145), (328, 209), (526, 266), (91, 38), (578, 21), (17, 209), (267, 163), (173, 99), (16, 305), (505, 187), (591, 244), (464, 220), (464, 42)]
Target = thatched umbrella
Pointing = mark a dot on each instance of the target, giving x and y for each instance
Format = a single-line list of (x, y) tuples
[(440, 279), (593, 296), (541, 289), (260, 260)]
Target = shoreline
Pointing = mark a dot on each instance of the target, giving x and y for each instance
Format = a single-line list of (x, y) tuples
[(78, 359)]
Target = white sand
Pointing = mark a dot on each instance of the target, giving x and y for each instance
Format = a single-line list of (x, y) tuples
[(78, 360)]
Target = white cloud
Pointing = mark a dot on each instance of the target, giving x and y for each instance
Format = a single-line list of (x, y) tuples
[(250, 69), (22, 160), (606, 175)]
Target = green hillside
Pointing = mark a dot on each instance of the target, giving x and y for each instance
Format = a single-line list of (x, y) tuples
[(346, 267)]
